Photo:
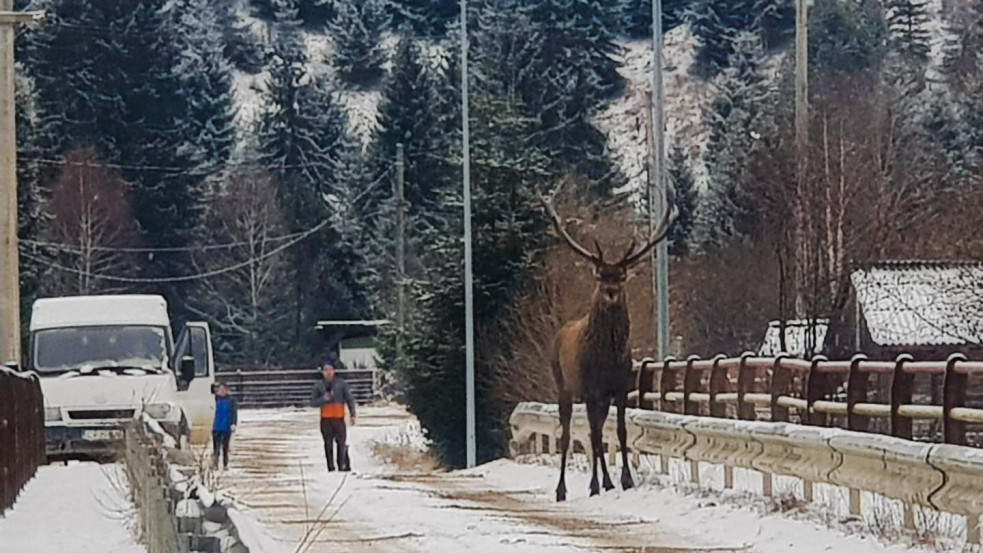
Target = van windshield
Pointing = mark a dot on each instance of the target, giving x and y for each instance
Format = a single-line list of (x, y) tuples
[(100, 347)]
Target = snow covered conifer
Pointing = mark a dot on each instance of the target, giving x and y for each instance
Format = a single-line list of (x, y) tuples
[(907, 22), (357, 33)]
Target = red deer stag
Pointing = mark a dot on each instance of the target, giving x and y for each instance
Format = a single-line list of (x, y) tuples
[(591, 359)]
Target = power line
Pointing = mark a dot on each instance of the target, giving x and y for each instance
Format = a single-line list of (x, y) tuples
[(73, 248), (184, 278)]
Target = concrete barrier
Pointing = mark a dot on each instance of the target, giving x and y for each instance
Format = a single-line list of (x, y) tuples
[(941, 477)]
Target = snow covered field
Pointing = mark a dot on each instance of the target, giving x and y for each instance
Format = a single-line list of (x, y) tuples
[(79, 508), (278, 474)]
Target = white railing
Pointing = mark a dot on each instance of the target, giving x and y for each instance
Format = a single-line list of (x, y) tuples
[(942, 477)]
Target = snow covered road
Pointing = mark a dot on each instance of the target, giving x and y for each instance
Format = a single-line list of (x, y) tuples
[(78, 508), (278, 473)]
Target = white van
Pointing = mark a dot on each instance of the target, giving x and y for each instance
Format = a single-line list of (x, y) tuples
[(106, 359)]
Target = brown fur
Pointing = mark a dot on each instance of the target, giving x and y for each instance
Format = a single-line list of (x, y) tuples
[(592, 363), (591, 359)]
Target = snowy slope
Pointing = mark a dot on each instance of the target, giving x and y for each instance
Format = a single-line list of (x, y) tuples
[(686, 101)]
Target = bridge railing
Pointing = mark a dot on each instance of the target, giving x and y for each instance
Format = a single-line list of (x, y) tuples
[(939, 477), (21, 432), (747, 386)]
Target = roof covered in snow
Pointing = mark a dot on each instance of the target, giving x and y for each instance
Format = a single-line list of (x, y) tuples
[(803, 338), (922, 303)]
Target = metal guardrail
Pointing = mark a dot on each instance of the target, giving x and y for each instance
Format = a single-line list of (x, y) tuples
[(940, 477), (21, 433), (780, 385), (289, 387)]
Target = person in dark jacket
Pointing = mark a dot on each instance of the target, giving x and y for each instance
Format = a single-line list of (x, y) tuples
[(226, 418), (332, 395)]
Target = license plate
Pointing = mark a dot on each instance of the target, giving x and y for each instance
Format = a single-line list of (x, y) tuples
[(102, 435)]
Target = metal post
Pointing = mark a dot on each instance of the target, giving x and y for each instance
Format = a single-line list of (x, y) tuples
[(9, 258), (661, 251), (400, 252), (468, 276)]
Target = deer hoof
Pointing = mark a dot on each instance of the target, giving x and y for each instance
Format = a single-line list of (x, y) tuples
[(608, 486), (561, 494), (626, 481)]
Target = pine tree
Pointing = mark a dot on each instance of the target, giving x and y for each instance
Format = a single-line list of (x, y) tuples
[(636, 17), (408, 116), (686, 198), (716, 24), (241, 48), (425, 17), (845, 37), (285, 27), (776, 21), (357, 34), (206, 76), (739, 118), (510, 233), (30, 203), (119, 92), (575, 76), (907, 21), (300, 136), (318, 14)]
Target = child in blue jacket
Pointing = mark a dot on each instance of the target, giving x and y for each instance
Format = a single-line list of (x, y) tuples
[(226, 417)]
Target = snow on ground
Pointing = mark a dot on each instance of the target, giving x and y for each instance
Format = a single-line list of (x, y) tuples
[(79, 508), (278, 475)]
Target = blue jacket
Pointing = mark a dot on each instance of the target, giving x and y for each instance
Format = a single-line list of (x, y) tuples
[(226, 414)]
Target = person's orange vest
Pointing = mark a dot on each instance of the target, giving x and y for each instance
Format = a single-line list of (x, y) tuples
[(333, 411)]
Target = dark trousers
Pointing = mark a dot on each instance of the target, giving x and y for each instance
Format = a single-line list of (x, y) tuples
[(334, 432), (220, 444)]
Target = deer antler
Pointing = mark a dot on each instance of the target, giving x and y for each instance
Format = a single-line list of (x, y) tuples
[(658, 235), (561, 229)]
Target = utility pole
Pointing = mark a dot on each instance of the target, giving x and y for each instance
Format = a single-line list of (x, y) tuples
[(9, 259), (400, 250), (802, 217), (661, 251), (468, 274)]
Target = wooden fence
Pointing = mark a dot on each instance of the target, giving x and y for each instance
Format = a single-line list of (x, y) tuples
[(744, 387), (22, 437)]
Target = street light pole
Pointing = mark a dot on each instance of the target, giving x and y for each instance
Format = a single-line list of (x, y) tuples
[(468, 276), (660, 264)]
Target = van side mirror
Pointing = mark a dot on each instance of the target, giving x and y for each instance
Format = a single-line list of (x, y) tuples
[(187, 372)]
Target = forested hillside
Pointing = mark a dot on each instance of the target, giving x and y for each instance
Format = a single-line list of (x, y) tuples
[(239, 157)]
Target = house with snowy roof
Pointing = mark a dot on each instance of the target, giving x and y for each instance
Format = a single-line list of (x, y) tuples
[(929, 309), (804, 338)]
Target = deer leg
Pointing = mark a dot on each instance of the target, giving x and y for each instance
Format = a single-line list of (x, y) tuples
[(566, 412), (596, 448), (626, 480), (602, 415)]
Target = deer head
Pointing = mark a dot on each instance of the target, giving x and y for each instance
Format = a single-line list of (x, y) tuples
[(612, 276)]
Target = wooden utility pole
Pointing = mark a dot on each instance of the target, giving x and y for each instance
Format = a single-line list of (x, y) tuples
[(803, 262), (400, 249), (9, 259)]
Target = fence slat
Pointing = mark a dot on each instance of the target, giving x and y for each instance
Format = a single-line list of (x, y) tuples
[(21, 433)]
